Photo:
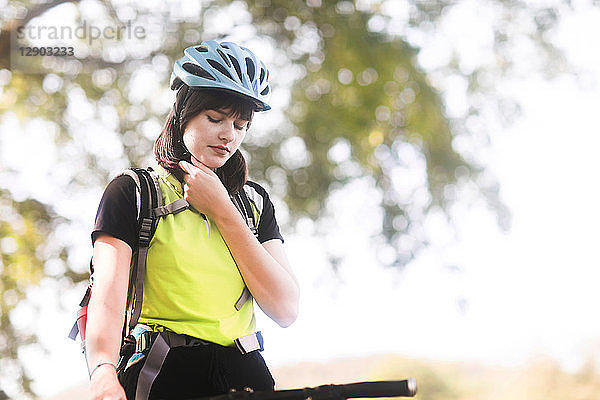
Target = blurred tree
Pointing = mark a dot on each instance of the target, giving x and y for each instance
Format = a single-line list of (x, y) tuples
[(361, 105), (24, 227), (362, 91)]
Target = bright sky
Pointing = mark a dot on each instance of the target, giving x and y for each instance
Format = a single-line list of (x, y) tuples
[(531, 291)]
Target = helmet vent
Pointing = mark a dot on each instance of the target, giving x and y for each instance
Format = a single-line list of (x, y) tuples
[(219, 68), (262, 75), (265, 92), (197, 70), (250, 68), (236, 65), (202, 49), (224, 57)]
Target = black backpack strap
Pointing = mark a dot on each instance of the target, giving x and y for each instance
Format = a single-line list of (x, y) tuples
[(152, 366), (241, 201), (143, 203), (171, 208), (150, 198)]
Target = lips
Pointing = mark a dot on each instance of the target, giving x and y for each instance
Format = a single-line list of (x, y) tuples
[(220, 149)]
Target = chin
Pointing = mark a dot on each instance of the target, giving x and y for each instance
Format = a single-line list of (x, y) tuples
[(212, 164), (215, 164)]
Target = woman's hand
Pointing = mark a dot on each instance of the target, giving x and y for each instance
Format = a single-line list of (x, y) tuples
[(105, 385), (204, 190)]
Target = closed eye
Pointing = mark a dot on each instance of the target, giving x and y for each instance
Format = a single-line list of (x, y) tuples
[(236, 126)]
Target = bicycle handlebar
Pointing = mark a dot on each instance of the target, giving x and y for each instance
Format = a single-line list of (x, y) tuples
[(400, 388), (404, 388)]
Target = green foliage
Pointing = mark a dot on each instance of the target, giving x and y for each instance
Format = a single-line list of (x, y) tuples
[(24, 227), (363, 89)]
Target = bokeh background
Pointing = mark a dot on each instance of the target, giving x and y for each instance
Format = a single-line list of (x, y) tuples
[(432, 163)]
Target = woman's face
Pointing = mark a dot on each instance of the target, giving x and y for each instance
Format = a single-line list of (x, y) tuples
[(212, 136)]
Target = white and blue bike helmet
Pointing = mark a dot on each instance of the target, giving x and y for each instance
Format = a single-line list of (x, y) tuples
[(223, 66)]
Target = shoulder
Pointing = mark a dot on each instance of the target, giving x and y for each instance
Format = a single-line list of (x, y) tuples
[(257, 194), (267, 227), (121, 186), (123, 191), (254, 187), (118, 210), (129, 181)]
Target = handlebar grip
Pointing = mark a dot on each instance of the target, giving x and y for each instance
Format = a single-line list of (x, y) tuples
[(404, 388)]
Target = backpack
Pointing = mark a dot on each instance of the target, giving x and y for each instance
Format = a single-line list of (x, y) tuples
[(150, 211)]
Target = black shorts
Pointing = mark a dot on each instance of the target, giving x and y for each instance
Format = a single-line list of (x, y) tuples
[(205, 370)]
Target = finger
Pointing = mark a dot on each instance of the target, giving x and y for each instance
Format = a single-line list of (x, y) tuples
[(186, 166), (193, 170)]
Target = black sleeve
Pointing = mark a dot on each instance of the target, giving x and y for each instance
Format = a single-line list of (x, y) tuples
[(267, 225), (117, 212)]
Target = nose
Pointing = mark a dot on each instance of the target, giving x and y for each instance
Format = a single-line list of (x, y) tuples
[(227, 132)]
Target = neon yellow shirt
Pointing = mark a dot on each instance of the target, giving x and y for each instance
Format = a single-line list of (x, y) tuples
[(192, 282)]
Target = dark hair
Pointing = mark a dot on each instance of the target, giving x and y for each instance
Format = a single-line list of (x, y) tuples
[(169, 148)]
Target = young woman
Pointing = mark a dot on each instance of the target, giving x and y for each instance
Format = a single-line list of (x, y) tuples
[(200, 259)]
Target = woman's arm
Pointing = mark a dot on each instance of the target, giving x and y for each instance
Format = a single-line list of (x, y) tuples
[(264, 268), (106, 314)]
